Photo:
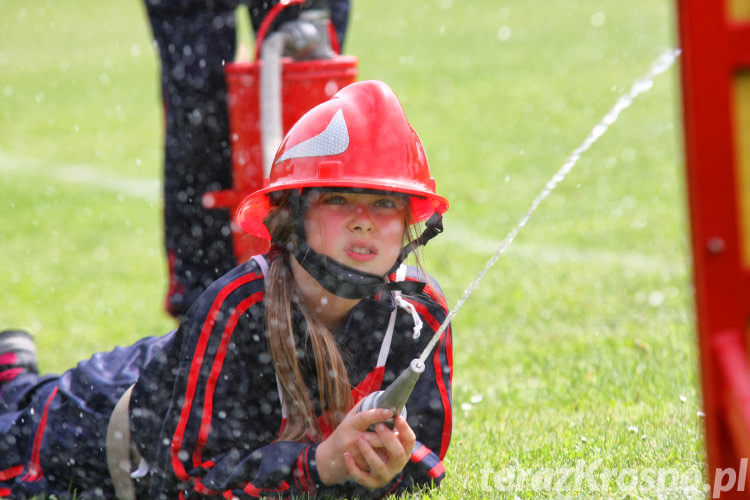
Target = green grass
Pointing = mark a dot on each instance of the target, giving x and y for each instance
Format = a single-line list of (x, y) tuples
[(579, 344)]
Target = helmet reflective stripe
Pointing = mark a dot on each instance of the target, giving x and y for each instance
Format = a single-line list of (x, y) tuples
[(332, 141)]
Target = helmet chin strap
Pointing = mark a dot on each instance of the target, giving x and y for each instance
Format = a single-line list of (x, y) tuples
[(340, 279)]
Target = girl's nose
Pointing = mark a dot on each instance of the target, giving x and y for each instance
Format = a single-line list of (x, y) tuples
[(361, 220)]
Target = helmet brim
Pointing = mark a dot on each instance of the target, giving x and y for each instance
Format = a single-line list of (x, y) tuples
[(253, 209)]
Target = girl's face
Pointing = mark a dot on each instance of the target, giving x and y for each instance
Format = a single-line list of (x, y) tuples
[(362, 230)]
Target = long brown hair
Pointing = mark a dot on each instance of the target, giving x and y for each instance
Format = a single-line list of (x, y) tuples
[(334, 388)]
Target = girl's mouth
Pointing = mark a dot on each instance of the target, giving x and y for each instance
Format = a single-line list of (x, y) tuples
[(360, 253)]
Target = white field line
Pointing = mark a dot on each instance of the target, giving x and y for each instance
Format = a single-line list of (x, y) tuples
[(550, 254), (150, 190), (86, 175)]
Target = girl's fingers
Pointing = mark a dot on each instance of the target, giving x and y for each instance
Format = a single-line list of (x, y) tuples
[(378, 467), (405, 433), (374, 439), (362, 477), (390, 441), (355, 472), (363, 420)]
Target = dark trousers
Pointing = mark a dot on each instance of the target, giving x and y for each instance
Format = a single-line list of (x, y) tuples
[(53, 428)]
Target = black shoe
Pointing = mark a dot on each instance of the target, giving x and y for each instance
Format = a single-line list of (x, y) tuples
[(17, 354)]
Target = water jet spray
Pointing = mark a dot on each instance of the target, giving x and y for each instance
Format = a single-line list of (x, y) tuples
[(394, 397)]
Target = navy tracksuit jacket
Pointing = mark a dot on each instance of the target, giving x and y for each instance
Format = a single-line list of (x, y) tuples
[(205, 411)]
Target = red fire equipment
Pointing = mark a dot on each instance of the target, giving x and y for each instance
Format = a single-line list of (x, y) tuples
[(304, 83), (715, 40)]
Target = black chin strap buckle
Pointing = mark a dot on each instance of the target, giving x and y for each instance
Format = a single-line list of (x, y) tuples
[(433, 227)]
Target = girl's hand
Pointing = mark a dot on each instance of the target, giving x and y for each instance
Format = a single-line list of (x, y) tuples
[(383, 463), (371, 459)]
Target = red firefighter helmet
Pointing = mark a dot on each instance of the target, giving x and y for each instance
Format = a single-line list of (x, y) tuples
[(360, 138)]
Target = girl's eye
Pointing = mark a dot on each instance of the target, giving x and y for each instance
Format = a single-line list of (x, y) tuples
[(385, 203), (335, 199)]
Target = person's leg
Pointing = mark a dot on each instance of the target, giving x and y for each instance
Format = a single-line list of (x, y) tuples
[(339, 18), (17, 354), (18, 368), (55, 434), (194, 39)]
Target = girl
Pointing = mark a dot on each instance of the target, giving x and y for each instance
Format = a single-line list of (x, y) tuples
[(257, 393)]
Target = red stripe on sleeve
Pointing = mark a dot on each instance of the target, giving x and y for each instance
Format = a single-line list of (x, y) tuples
[(308, 476), (251, 490), (195, 367), (215, 371), (11, 473), (35, 467), (436, 296), (203, 489), (437, 471), (426, 315), (440, 380), (419, 454), (447, 410), (395, 485), (299, 472), (254, 491)]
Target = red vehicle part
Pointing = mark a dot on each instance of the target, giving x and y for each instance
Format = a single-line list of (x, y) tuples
[(304, 84), (715, 40)]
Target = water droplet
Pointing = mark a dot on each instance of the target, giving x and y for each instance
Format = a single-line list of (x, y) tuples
[(598, 19), (331, 87), (655, 299)]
